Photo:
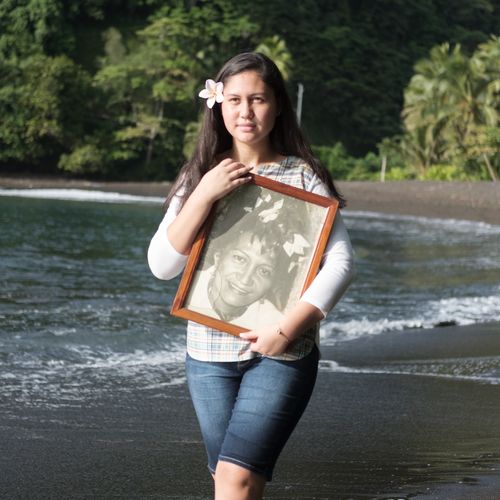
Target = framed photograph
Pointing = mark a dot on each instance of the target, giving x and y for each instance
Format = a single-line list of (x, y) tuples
[(256, 254)]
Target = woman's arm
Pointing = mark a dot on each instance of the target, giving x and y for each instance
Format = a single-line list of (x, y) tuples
[(336, 273), (167, 253), (165, 262)]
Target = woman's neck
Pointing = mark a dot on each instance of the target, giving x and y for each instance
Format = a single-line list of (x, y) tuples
[(251, 155)]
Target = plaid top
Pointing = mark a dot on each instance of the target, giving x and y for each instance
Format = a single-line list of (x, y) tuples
[(207, 344)]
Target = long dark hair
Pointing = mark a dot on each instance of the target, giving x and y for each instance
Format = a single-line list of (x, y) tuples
[(286, 138)]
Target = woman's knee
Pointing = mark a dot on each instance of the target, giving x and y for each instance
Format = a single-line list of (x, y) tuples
[(241, 482)]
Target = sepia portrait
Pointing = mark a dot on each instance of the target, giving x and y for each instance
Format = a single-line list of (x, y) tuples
[(255, 257)]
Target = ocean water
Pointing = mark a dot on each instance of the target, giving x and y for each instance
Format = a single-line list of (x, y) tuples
[(81, 315)]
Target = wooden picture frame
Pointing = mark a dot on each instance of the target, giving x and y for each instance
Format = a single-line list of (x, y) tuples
[(258, 251)]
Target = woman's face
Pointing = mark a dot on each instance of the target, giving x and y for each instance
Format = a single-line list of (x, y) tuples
[(243, 272), (249, 108)]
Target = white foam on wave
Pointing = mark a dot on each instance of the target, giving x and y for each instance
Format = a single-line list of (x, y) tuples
[(80, 195), (330, 366), (466, 310), (460, 225), (124, 362), (80, 357), (462, 310), (333, 332), (76, 378)]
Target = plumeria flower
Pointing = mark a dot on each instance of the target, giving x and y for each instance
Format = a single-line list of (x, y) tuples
[(212, 92)]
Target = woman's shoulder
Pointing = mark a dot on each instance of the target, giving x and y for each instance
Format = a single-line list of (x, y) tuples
[(295, 165), (292, 170), (296, 161)]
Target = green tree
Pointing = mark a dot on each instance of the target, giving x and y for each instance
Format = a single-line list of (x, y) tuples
[(151, 88), (429, 108), (353, 58), (356, 58), (43, 26), (449, 101), (275, 48), (38, 107)]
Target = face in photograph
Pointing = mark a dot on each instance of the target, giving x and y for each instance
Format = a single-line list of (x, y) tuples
[(243, 274)]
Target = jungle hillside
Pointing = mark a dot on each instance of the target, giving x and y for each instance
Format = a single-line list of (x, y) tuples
[(388, 89)]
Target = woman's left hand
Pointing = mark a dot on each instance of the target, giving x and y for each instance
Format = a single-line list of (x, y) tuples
[(266, 341)]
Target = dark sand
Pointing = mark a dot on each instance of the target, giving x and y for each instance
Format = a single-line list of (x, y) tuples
[(456, 200), (365, 434)]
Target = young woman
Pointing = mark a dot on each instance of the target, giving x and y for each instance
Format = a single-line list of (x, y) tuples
[(250, 391)]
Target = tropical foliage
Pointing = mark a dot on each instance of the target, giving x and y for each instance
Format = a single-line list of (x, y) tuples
[(451, 112), (109, 87)]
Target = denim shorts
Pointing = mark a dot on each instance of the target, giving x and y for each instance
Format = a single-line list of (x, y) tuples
[(248, 410)]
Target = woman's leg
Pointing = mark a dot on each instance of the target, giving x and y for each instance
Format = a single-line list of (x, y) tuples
[(271, 399), (213, 388), (233, 482)]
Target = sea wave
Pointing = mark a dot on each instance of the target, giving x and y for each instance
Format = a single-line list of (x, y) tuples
[(36, 382), (81, 195), (457, 310), (449, 369), (70, 337), (458, 225)]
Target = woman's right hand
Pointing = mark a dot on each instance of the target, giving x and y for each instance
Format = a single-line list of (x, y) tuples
[(222, 179), (216, 183)]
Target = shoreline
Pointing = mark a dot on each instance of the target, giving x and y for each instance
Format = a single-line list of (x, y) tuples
[(368, 432), (365, 434), (475, 201)]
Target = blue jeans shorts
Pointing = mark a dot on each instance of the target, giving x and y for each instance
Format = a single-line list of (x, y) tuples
[(247, 410)]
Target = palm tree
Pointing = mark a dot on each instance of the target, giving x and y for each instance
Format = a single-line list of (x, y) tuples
[(484, 142), (447, 99), (275, 48), (429, 104)]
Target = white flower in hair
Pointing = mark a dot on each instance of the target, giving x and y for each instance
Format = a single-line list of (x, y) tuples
[(212, 92), (271, 213), (297, 246)]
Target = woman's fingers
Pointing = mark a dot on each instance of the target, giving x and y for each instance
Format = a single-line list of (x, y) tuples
[(224, 178), (234, 174), (225, 163), (237, 169), (265, 341), (253, 338), (250, 336)]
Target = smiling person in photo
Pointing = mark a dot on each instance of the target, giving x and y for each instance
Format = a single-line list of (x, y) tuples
[(241, 284)]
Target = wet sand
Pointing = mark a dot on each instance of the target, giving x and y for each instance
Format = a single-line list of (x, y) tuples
[(366, 434), (478, 201)]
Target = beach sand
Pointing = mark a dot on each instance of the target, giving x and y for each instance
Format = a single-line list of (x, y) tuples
[(366, 434), (478, 201)]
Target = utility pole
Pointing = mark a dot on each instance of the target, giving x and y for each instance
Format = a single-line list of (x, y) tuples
[(300, 93), (383, 168)]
